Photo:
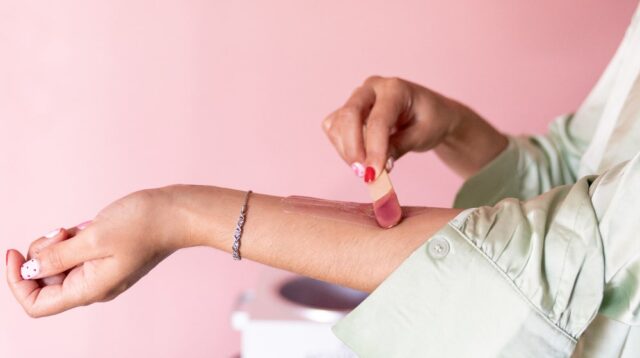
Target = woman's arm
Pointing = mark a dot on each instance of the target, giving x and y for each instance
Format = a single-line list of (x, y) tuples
[(129, 237), (339, 251)]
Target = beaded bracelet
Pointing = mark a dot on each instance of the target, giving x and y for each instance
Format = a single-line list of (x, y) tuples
[(238, 233)]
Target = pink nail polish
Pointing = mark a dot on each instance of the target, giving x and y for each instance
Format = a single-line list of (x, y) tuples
[(6, 258), (52, 234), (358, 169), (84, 225)]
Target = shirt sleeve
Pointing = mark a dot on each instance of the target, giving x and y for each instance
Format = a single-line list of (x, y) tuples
[(530, 165), (516, 279)]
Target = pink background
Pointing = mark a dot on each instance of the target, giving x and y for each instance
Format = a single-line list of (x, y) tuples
[(98, 99)]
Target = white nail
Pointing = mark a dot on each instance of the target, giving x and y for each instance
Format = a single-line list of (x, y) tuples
[(358, 169), (389, 165), (52, 234), (30, 269)]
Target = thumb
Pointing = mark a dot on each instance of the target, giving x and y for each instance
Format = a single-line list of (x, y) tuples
[(42, 243), (58, 258)]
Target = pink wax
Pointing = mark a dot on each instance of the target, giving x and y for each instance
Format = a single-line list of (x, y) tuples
[(387, 210)]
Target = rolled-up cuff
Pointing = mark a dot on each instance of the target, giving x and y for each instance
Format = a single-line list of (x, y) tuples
[(500, 178), (516, 279), (458, 305), (529, 166)]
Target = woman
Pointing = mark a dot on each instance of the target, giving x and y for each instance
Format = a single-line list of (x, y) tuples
[(544, 262)]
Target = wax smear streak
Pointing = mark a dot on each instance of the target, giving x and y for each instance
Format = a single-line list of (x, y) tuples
[(344, 211)]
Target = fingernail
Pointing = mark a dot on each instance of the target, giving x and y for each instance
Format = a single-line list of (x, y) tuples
[(30, 269), (83, 225), (52, 234), (369, 174), (6, 258), (389, 164), (358, 169)]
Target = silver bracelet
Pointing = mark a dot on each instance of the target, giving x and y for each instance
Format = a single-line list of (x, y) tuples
[(238, 233)]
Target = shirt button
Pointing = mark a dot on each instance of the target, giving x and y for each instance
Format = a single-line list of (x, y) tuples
[(438, 247)]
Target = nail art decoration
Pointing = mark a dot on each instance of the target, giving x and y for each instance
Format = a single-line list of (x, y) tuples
[(30, 269), (52, 234), (369, 174), (358, 169)]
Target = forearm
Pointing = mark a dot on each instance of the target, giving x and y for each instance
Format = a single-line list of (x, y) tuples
[(338, 251), (471, 142)]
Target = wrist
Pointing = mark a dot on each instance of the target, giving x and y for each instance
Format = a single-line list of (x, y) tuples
[(203, 215), (458, 117), (471, 142), (165, 217)]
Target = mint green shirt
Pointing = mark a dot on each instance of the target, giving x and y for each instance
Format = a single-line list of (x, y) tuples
[(545, 262)]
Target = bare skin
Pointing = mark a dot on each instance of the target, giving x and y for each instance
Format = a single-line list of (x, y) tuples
[(384, 118), (354, 213), (132, 235), (387, 117)]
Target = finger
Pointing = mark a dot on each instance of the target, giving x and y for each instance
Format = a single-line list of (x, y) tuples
[(47, 240), (55, 236), (52, 238), (344, 127), (23, 290), (41, 301), (43, 242), (331, 133), (350, 122), (60, 257), (384, 114)]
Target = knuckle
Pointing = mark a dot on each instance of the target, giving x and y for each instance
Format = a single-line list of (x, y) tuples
[(142, 198), (333, 132), (31, 312), (395, 81), (326, 123), (349, 113), (394, 84), (54, 259), (351, 153), (372, 79)]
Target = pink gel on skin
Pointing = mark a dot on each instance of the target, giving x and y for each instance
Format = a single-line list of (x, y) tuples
[(343, 211), (354, 213), (385, 201), (387, 210)]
